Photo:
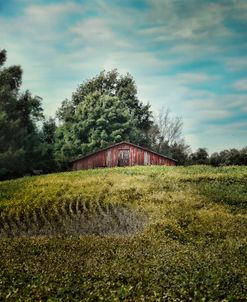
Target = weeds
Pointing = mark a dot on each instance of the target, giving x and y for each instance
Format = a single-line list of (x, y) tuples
[(186, 227)]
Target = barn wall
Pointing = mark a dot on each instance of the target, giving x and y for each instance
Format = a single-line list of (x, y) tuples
[(109, 158), (94, 161)]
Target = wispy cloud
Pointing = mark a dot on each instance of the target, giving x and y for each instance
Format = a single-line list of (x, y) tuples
[(236, 63), (195, 20), (51, 13), (241, 85), (187, 55), (194, 78)]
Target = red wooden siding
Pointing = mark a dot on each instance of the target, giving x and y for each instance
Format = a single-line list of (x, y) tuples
[(113, 156)]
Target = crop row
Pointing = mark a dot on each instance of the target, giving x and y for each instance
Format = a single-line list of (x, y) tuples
[(71, 218)]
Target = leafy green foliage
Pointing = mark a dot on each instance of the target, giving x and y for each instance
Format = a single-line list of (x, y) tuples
[(103, 110), (98, 122), (48, 162), (199, 157), (229, 157), (19, 138), (192, 247)]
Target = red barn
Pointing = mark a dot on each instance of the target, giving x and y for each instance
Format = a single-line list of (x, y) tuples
[(121, 155)]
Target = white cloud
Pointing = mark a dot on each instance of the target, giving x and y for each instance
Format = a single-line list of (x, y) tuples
[(235, 101), (236, 63), (95, 32), (39, 22), (208, 109), (198, 21), (194, 49), (241, 85), (58, 52), (193, 78), (31, 40), (51, 13), (239, 9)]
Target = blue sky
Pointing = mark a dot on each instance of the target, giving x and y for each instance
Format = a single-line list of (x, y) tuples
[(187, 55)]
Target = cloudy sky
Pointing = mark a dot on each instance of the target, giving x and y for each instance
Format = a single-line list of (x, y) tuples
[(187, 55)]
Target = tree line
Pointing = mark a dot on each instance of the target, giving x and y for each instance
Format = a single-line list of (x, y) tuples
[(102, 111), (226, 157)]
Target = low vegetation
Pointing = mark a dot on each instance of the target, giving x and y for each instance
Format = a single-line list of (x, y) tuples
[(132, 234)]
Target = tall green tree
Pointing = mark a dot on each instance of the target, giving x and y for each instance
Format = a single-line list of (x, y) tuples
[(102, 111), (180, 151), (19, 112), (99, 121), (200, 157), (112, 84), (48, 137)]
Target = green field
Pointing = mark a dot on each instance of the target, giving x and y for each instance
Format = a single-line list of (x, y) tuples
[(125, 234)]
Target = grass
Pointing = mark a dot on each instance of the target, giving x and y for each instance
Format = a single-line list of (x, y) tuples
[(125, 234)]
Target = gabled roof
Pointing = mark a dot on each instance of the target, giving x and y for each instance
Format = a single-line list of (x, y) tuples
[(123, 142)]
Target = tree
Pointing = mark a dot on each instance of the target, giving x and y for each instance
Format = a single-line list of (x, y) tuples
[(229, 157), (180, 151), (215, 159), (19, 139), (166, 130), (102, 111), (112, 84), (166, 138), (200, 157), (48, 137), (99, 121), (243, 156), (170, 128)]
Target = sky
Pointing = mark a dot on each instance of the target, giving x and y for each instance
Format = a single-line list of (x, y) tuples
[(186, 55)]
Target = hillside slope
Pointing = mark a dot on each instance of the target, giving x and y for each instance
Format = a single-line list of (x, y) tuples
[(140, 233)]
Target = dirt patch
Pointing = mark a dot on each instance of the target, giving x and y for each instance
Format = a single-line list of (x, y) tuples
[(74, 218)]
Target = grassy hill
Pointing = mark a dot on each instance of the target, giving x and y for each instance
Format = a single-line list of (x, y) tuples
[(133, 234)]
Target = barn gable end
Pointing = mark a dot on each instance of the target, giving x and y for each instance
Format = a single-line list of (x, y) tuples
[(121, 155)]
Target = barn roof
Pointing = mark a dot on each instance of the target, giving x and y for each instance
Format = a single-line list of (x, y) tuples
[(123, 142)]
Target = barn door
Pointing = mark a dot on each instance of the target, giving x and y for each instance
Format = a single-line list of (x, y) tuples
[(123, 158)]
